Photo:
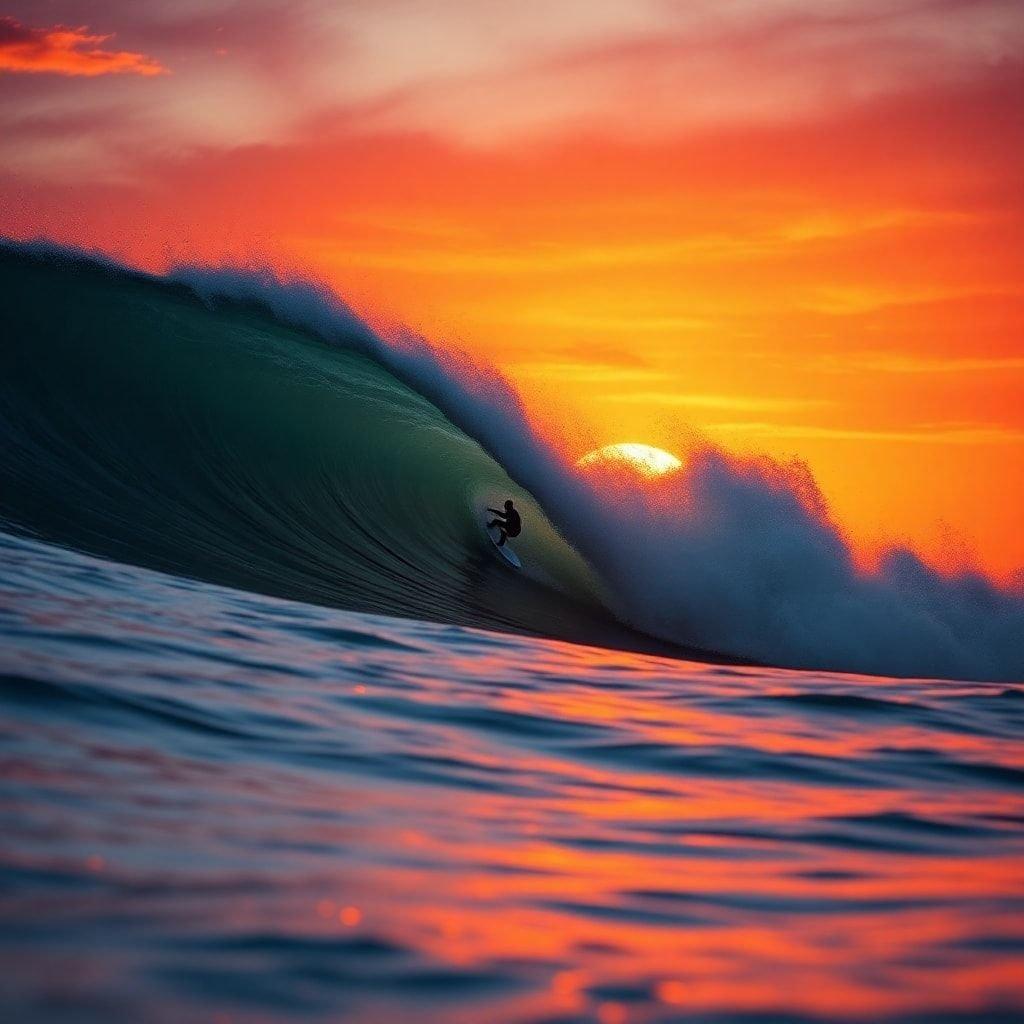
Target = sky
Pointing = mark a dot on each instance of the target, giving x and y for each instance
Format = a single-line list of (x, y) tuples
[(794, 226)]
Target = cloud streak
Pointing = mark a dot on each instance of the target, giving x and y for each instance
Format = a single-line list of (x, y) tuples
[(953, 433), (736, 403), (60, 50), (901, 363), (467, 73)]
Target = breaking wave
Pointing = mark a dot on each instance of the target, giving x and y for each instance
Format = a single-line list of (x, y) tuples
[(249, 429)]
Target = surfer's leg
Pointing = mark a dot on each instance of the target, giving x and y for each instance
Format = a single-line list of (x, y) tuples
[(504, 537)]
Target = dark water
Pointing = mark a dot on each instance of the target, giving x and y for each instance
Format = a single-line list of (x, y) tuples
[(219, 806)]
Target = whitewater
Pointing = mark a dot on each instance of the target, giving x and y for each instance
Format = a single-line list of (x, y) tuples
[(282, 739)]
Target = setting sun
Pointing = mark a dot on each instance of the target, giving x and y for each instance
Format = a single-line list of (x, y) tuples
[(644, 458)]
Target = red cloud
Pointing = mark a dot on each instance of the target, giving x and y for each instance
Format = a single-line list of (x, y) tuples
[(66, 51)]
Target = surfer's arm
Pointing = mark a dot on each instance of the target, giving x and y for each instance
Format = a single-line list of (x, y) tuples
[(496, 511)]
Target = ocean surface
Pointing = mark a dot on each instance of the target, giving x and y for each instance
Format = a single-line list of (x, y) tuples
[(220, 806), (282, 738)]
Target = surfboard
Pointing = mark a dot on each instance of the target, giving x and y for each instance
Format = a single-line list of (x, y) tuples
[(505, 551)]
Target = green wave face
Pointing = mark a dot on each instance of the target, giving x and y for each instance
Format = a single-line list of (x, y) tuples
[(216, 442)]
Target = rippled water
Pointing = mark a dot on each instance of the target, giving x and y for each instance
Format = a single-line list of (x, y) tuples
[(218, 806)]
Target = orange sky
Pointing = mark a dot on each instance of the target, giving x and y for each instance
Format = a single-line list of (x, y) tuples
[(795, 226)]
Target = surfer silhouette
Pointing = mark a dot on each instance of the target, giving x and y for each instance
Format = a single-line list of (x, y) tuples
[(509, 522)]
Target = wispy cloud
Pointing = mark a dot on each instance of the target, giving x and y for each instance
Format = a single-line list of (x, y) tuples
[(639, 324), (584, 372), (553, 257), (855, 300), (621, 67), (902, 363), (736, 403), (66, 51), (930, 433), (781, 235), (267, 72)]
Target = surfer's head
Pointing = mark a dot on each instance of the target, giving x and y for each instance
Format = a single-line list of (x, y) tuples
[(508, 504)]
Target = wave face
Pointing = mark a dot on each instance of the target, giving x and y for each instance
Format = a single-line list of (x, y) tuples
[(214, 441), (231, 426)]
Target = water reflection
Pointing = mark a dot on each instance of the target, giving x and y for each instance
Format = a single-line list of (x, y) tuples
[(220, 806)]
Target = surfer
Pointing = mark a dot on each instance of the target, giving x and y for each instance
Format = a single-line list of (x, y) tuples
[(509, 522)]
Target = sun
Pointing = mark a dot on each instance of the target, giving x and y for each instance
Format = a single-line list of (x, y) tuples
[(645, 459)]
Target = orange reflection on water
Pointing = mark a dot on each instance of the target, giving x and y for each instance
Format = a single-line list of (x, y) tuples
[(702, 842)]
